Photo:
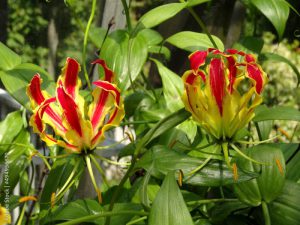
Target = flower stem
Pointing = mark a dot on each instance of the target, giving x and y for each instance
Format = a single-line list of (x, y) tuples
[(266, 213), (86, 34), (103, 214), (126, 10)]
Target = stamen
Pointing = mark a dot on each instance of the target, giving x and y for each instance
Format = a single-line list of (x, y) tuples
[(27, 198), (235, 172), (53, 198), (278, 163), (180, 178)]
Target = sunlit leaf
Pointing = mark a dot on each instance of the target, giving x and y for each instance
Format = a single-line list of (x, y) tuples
[(160, 14), (16, 80), (192, 41), (9, 59), (125, 56), (196, 2)]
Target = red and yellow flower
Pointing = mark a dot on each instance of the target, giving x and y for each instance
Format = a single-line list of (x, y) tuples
[(80, 126), (222, 90)]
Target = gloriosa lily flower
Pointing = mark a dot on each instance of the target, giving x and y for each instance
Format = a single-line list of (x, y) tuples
[(222, 90), (80, 126)]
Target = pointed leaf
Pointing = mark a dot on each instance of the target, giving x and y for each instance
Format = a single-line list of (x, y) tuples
[(193, 41), (160, 14), (169, 207), (9, 59), (277, 12)]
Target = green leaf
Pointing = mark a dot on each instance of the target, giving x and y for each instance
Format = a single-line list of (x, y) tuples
[(173, 90), (160, 14), (9, 59), (156, 49), (193, 41), (74, 210), (97, 35), (152, 37), (124, 55), (279, 58), (17, 159), (286, 208), (192, 3), (164, 160), (17, 79), (277, 12), (269, 184), (165, 124), (169, 207), (10, 127), (262, 113), (172, 87)]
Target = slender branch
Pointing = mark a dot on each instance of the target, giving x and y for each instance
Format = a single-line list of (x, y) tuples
[(86, 34), (103, 214)]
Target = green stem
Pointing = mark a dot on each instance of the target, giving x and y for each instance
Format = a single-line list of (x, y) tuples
[(21, 215), (126, 10), (245, 156), (69, 178), (104, 214), (137, 220), (100, 170), (117, 193), (266, 213), (207, 201), (201, 24), (111, 161), (138, 122), (86, 34), (90, 169)]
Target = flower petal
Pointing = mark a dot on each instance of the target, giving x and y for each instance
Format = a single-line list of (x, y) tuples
[(106, 96), (255, 73), (232, 72), (197, 59), (217, 81), (34, 91), (70, 109), (69, 77), (109, 74)]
